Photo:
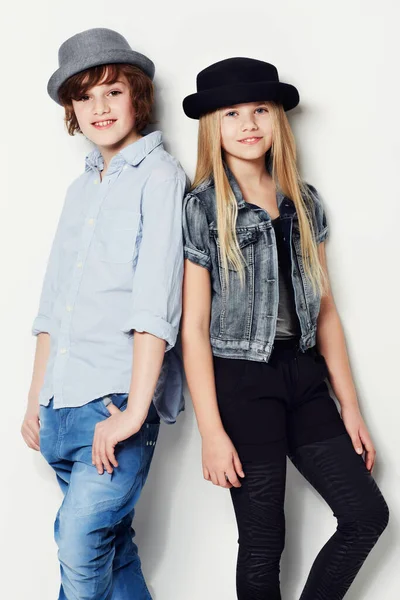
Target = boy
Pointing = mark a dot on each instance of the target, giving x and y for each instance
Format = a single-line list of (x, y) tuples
[(109, 312)]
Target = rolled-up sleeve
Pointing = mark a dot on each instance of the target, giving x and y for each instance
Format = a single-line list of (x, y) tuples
[(43, 320), (157, 282), (321, 228), (196, 232)]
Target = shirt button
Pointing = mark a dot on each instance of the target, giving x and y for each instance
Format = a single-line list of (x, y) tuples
[(96, 181), (63, 351), (90, 221), (69, 308), (79, 265), (125, 167)]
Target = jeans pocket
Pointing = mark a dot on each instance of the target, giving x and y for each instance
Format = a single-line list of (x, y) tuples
[(151, 431), (119, 400), (150, 434)]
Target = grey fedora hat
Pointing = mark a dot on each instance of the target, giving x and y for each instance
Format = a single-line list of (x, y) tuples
[(90, 48)]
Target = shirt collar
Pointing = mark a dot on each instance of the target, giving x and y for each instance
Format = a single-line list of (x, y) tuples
[(94, 160), (132, 154)]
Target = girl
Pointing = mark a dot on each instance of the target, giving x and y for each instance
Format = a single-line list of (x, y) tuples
[(261, 334)]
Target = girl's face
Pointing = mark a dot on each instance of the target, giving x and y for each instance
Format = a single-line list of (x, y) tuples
[(105, 113), (246, 130)]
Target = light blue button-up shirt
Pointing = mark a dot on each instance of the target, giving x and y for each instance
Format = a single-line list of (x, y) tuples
[(115, 266)]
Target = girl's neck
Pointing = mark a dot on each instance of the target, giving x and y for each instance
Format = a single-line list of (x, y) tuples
[(255, 182), (248, 173)]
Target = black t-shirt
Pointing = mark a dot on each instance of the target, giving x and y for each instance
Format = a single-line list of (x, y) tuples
[(287, 324)]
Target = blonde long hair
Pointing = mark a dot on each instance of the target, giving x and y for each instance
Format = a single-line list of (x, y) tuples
[(286, 176)]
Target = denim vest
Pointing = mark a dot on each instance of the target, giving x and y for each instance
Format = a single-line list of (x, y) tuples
[(243, 321)]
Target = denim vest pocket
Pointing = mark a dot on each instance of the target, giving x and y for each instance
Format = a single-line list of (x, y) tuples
[(237, 299), (116, 236)]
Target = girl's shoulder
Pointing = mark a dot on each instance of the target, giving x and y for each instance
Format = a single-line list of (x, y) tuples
[(317, 210), (201, 200), (313, 197)]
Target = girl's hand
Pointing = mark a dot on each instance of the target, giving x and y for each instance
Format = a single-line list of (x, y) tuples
[(221, 463), (360, 437), (117, 428), (31, 426)]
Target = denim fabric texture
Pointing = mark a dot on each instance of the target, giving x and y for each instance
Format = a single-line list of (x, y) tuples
[(243, 321), (98, 558)]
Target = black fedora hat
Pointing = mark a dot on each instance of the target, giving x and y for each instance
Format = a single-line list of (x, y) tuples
[(235, 81)]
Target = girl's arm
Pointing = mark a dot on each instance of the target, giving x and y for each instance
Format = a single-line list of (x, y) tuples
[(332, 345), (30, 426), (220, 459)]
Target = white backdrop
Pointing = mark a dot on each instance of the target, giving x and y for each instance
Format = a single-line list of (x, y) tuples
[(343, 56)]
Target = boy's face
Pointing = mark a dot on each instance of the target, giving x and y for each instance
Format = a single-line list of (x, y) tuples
[(105, 113)]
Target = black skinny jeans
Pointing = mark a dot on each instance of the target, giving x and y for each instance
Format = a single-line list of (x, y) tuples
[(283, 408)]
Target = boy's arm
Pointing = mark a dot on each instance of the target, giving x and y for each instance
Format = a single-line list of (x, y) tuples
[(155, 314), (157, 290), (30, 426), (42, 328), (157, 284), (148, 352), (42, 322)]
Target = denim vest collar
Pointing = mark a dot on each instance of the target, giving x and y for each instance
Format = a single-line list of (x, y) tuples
[(285, 205)]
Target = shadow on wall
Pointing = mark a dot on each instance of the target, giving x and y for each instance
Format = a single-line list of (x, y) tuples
[(152, 519)]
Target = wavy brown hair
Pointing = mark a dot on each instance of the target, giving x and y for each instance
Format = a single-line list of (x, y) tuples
[(286, 176), (140, 85)]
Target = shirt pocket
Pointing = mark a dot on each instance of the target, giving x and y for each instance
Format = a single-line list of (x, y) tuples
[(116, 236)]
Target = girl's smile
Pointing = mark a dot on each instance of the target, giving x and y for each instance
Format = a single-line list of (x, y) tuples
[(249, 141)]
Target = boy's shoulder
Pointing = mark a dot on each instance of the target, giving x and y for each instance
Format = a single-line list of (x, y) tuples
[(163, 167)]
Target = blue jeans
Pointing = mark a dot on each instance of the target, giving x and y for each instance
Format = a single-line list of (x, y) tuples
[(98, 558)]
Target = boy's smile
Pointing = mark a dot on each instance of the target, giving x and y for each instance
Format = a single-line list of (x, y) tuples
[(104, 124)]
